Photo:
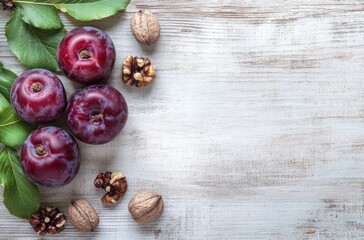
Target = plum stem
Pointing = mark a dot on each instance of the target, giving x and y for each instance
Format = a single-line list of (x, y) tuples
[(85, 54), (37, 87), (97, 118), (40, 150)]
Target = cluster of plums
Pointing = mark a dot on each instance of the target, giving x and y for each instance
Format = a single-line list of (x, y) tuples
[(95, 114)]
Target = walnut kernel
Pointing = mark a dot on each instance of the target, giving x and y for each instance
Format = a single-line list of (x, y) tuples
[(138, 71)]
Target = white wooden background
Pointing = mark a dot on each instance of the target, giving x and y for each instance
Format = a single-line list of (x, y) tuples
[(252, 130)]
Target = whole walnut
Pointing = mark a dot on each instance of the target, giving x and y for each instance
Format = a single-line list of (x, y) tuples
[(83, 216), (145, 27), (146, 206)]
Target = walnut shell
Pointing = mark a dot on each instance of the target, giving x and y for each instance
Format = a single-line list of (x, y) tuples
[(83, 216), (145, 27), (146, 206)]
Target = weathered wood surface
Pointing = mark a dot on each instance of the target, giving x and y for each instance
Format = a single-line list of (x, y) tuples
[(253, 129)]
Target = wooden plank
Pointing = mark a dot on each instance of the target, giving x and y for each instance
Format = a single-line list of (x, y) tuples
[(251, 131)]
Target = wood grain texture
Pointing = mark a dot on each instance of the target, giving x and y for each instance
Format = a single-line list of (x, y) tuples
[(252, 130)]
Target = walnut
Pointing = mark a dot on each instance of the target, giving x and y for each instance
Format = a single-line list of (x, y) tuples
[(138, 71), (146, 206), (83, 216), (48, 220), (114, 183), (145, 27)]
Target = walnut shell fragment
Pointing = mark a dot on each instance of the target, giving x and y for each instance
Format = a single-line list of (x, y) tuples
[(83, 216), (145, 27), (146, 206)]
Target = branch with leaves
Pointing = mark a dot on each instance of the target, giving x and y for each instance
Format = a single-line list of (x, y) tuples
[(21, 197)]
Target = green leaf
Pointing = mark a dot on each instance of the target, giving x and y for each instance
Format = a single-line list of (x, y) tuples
[(34, 47), (39, 16), (3, 102), (7, 78), (13, 130), (21, 197), (83, 10)]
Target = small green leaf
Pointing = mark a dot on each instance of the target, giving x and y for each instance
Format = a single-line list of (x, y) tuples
[(84, 10), (7, 78), (13, 130), (34, 47), (39, 16), (21, 197)]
